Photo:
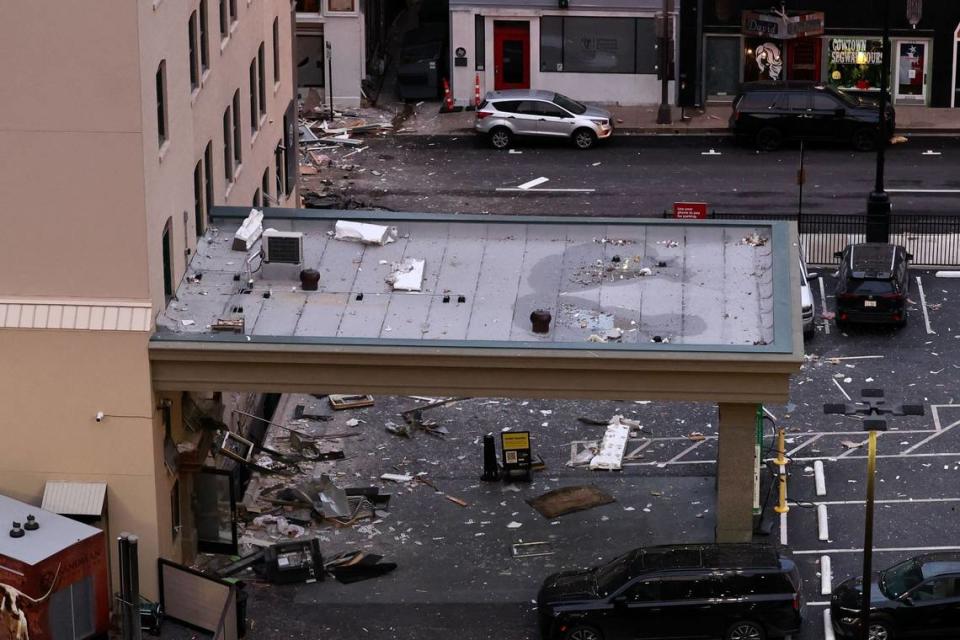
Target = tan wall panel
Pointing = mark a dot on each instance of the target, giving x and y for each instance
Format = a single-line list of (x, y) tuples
[(69, 66), (73, 215)]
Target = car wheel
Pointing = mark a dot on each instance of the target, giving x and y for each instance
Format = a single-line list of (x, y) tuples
[(769, 139), (584, 138), (583, 632), (745, 630), (880, 630), (501, 138), (864, 140)]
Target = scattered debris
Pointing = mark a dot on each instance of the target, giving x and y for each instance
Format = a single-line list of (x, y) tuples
[(396, 477), (569, 500), (696, 436), (850, 444), (249, 232), (340, 401), (755, 240), (364, 232), (407, 275), (531, 549), (613, 446), (355, 566)]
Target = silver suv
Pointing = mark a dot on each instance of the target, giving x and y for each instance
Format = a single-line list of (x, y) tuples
[(522, 112)]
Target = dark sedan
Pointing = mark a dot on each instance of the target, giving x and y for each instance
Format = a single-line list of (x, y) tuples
[(872, 284), (919, 597)]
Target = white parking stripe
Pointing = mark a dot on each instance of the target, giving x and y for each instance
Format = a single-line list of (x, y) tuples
[(804, 445), (533, 183), (852, 449), (923, 190), (685, 451), (937, 434), (923, 305), (889, 501), (820, 552), (827, 625), (636, 452)]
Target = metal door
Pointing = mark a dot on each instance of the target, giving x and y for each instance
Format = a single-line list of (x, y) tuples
[(215, 512), (554, 121), (911, 75), (511, 55)]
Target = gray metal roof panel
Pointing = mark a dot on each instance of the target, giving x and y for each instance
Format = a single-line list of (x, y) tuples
[(74, 498), (699, 284)]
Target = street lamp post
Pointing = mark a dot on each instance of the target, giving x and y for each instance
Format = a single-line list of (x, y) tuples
[(873, 405), (878, 202), (663, 113)]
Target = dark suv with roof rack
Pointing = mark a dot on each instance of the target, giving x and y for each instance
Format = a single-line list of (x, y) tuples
[(733, 591), (767, 114), (872, 283)]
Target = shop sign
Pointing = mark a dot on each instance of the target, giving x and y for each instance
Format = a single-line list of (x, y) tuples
[(853, 51), (782, 26), (690, 210)]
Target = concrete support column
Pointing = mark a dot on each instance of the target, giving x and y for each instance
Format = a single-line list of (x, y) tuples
[(737, 438)]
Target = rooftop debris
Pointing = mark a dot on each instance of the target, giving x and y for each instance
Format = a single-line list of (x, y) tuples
[(364, 232), (407, 275), (613, 446), (340, 401)]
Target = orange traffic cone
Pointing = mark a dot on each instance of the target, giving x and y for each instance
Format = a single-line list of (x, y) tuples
[(476, 92), (447, 97)]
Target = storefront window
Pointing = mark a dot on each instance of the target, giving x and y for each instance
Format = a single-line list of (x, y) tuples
[(762, 60), (588, 45), (854, 63)]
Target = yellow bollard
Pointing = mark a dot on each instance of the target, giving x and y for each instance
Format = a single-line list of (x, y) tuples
[(781, 448), (782, 506)]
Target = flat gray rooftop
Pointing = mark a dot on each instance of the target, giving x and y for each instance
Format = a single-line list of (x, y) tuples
[(55, 533), (697, 285)]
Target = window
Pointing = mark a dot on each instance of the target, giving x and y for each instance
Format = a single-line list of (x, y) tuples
[(262, 77), (310, 56), (224, 23), (228, 145), (643, 591), (308, 6), (280, 158), (854, 63), (254, 110), (192, 44), (167, 261), (479, 42), (208, 174), (595, 45), (341, 6), (265, 187), (823, 102), (276, 51), (204, 37), (162, 132), (686, 588), (175, 509), (257, 202), (198, 204), (233, 11), (935, 589), (237, 153)]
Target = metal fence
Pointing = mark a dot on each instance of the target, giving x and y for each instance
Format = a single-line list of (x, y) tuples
[(934, 240)]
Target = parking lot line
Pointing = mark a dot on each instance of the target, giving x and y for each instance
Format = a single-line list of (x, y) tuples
[(827, 625), (806, 443), (887, 501), (901, 456), (819, 478), (935, 410), (686, 451), (820, 552), (936, 434), (852, 449), (826, 576), (823, 530), (923, 305)]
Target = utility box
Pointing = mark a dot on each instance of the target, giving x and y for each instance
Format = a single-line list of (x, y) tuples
[(293, 561), (59, 563)]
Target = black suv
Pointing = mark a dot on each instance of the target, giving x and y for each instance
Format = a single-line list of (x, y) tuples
[(872, 283), (769, 113), (919, 597), (737, 591)]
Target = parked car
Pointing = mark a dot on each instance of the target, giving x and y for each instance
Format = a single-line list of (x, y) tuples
[(504, 115), (806, 298), (919, 597), (872, 284), (735, 591), (769, 113)]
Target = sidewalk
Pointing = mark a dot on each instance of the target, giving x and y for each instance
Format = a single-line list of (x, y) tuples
[(642, 120)]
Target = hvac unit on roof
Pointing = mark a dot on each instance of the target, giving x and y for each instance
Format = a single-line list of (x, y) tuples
[(285, 247)]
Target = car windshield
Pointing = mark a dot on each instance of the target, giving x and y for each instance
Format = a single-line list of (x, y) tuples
[(900, 578), (569, 104), (871, 287), (612, 575)]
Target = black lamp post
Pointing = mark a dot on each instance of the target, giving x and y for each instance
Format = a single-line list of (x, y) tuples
[(663, 113), (873, 405), (878, 202)]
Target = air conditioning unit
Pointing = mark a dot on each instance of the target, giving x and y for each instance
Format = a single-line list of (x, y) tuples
[(283, 247)]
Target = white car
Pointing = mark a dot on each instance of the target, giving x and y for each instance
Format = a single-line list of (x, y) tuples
[(807, 310)]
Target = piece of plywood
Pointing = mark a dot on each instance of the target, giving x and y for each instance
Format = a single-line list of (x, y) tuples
[(569, 500)]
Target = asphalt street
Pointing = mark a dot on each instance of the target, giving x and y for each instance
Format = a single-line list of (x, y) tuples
[(644, 175), (455, 572)]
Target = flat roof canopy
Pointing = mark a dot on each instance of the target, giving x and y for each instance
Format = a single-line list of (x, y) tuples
[(665, 305)]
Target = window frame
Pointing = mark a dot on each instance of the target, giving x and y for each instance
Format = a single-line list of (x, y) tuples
[(265, 186), (204, 28), (193, 42), (634, 59), (262, 80), (276, 52), (228, 168), (163, 124), (354, 10), (237, 141), (224, 21), (254, 92)]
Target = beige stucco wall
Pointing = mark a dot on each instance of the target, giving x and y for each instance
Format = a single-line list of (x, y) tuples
[(54, 383), (86, 194)]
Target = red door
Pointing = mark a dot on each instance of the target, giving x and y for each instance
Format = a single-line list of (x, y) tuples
[(511, 55), (803, 59)]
